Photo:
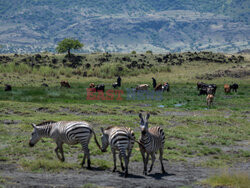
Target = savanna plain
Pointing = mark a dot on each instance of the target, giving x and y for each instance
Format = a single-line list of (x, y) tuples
[(204, 147)]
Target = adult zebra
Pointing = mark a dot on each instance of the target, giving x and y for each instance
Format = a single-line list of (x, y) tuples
[(69, 132), (152, 139), (121, 139)]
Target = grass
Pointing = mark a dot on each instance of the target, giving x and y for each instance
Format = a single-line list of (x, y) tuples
[(41, 165), (238, 180), (192, 130)]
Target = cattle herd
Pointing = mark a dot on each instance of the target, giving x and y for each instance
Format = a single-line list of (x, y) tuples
[(210, 90), (204, 89)]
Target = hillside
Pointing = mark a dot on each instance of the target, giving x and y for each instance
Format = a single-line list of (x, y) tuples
[(123, 26)]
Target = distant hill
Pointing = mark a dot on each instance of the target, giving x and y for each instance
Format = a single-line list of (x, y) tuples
[(125, 25), (246, 51)]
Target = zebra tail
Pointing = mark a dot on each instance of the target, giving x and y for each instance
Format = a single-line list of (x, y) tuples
[(140, 144), (96, 141), (137, 142)]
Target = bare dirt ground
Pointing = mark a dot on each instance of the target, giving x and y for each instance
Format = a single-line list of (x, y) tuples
[(179, 174)]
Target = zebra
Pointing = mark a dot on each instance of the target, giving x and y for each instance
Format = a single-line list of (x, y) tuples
[(69, 132), (121, 139), (152, 139)]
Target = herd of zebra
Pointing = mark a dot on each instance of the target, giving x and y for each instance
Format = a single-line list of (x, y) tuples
[(120, 139)]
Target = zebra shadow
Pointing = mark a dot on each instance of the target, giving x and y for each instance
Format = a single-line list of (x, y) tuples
[(96, 168), (159, 176), (121, 174)]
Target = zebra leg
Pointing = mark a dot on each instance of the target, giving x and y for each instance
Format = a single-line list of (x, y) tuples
[(126, 164), (86, 154), (114, 158), (56, 150), (61, 150), (144, 162), (120, 156), (153, 160), (59, 146), (160, 157)]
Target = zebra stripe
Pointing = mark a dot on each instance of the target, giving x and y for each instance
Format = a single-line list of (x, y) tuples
[(71, 133), (152, 139), (120, 139)]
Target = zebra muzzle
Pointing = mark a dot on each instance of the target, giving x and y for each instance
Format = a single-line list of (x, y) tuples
[(31, 145)]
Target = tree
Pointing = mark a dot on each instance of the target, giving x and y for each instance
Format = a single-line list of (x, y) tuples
[(67, 44)]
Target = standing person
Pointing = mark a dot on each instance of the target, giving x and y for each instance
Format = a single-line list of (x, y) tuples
[(119, 81), (154, 82)]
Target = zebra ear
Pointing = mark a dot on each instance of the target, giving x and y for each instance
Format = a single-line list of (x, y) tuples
[(148, 115), (102, 130), (33, 125), (140, 116)]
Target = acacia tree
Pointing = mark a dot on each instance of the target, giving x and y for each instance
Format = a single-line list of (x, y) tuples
[(67, 44)]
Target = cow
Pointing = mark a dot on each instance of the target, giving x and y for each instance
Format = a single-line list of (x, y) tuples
[(210, 98), (227, 88), (200, 85), (211, 89), (166, 87), (7, 87), (100, 87), (203, 91), (214, 87), (206, 89), (234, 87), (65, 84), (141, 87), (91, 85), (115, 85), (158, 87)]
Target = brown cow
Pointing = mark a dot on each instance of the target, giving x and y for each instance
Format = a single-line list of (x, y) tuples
[(210, 99), (141, 87), (227, 88), (91, 85), (158, 87), (65, 84)]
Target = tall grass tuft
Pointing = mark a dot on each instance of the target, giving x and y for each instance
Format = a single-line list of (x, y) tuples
[(239, 180)]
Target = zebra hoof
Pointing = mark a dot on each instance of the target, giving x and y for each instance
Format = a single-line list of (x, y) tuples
[(114, 169), (145, 173), (89, 167)]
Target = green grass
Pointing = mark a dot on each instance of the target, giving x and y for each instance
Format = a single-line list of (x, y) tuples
[(239, 180), (40, 165), (192, 130)]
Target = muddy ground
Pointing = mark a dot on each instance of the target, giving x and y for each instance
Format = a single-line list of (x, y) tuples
[(179, 174)]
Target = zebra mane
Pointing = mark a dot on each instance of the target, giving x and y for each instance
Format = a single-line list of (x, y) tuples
[(45, 123), (110, 127)]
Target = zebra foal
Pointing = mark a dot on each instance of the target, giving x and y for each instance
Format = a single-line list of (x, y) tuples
[(120, 139), (152, 139), (69, 132)]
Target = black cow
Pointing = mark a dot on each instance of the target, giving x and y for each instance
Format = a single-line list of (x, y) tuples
[(200, 85), (211, 89), (203, 91), (7, 87), (234, 87), (115, 85), (166, 87), (100, 87), (206, 89)]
